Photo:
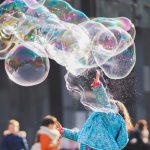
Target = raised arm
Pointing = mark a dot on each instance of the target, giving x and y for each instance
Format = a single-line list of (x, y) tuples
[(100, 92)]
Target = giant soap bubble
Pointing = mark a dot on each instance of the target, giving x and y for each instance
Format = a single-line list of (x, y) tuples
[(80, 88), (120, 22), (34, 3), (65, 12), (6, 44), (33, 31), (120, 65), (25, 67)]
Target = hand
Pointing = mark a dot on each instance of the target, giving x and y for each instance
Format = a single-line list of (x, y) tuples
[(59, 127), (97, 78)]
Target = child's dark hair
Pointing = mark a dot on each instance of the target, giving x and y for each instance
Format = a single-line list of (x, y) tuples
[(47, 121)]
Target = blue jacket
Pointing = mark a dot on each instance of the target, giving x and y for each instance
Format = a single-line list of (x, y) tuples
[(102, 131), (14, 142)]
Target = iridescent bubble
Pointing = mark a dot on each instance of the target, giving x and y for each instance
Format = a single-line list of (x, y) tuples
[(6, 44), (104, 45), (65, 12), (11, 7), (122, 28), (127, 25), (65, 35), (28, 35), (93, 28), (85, 62), (26, 67), (8, 22), (67, 44), (42, 15), (123, 38), (121, 65), (103, 41), (31, 32), (33, 4), (121, 22)]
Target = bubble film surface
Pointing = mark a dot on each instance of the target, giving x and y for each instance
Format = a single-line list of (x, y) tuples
[(33, 31), (34, 3), (26, 67), (80, 87), (65, 11)]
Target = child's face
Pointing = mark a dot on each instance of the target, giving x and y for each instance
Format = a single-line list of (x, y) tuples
[(12, 128)]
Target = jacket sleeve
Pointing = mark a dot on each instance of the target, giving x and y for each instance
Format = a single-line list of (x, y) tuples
[(70, 134), (122, 138), (101, 96), (25, 144)]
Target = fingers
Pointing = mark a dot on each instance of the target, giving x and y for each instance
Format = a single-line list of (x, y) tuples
[(58, 125)]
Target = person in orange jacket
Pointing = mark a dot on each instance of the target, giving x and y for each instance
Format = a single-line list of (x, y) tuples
[(48, 137)]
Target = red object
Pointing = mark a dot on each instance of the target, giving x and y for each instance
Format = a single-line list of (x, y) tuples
[(61, 131), (95, 84)]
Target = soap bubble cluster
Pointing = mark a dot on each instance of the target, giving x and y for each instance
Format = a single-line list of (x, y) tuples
[(34, 31)]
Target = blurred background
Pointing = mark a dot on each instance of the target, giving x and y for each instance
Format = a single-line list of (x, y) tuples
[(30, 104)]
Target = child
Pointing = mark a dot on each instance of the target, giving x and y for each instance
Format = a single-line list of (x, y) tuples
[(102, 130), (48, 136)]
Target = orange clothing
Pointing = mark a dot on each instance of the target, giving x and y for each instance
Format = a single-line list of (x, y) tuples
[(46, 143)]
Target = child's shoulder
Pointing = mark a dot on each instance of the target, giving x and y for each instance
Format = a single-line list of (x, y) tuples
[(110, 117)]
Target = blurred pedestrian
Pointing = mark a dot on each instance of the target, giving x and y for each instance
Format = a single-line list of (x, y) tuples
[(48, 137), (139, 137), (142, 130), (13, 138)]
